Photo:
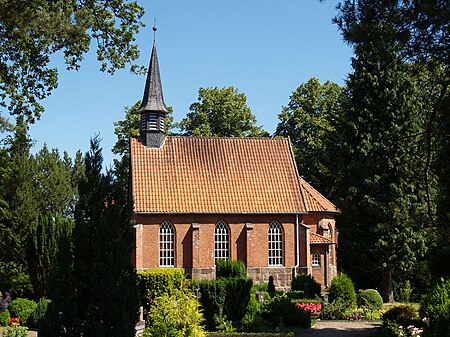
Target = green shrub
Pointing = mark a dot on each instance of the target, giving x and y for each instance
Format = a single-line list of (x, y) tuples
[(39, 313), (280, 311), (229, 268), (262, 287), (225, 296), (404, 315), (176, 315), (296, 294), (404, 292), (342, 288), (22, 308), (334, 310), (370, 299), (306, 283), (251, 320), (155, 282), (4, 317), (17, 331), (307, 300), (435, 306)]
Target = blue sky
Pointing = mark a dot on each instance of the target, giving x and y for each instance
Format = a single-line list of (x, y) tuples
[(264, 48)]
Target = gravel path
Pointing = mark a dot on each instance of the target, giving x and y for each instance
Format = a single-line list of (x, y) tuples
[(340, 329)]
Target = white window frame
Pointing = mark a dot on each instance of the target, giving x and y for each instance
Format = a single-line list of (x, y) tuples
[(166, 236), (221, 241), (315, 259), (275, 244)]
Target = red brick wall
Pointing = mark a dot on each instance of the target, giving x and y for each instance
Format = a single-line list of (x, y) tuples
[(195, 246)]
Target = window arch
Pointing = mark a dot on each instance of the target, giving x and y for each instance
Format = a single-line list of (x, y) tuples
[(166, 245), (221, 241), (275, 241), (316, 259)]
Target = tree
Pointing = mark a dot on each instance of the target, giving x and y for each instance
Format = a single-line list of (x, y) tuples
[(33, 31), (220, 112), (42, 249), (381, 152), (307, 120), (103, 285)]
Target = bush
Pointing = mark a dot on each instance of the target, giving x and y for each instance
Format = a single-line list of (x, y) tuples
[(155, 282), (39, 313), (22, 308), (306, 283), (342, 288), (271, 286), (296, 294), (404, 315), (229, 268), (224, 296), (251, 320), (280, 311), (435, 306), (334, 310), (17, 331), (4, 317), (370, 299), (177, 314)]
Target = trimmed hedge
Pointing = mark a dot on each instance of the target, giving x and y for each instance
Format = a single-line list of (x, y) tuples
[(227, 296), (306, 283), (230, 268), (22, 308), (370, 299), (156, 282)]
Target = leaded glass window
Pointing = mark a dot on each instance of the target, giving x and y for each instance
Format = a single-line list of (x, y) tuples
[(275, 244), (221, 241), (316, 259), (166, 245)]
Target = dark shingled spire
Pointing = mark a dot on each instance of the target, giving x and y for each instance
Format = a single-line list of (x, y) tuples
[(153, 111), (153, 95)]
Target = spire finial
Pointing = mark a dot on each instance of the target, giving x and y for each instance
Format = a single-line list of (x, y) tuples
[(154, 30)]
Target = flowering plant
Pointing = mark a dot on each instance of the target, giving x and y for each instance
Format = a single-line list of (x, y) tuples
[(355, 316), (411, 330), (14, 321), (313, 308)]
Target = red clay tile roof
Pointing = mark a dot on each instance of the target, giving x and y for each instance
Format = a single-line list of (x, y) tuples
[(317, 238), (216, 175), (316, 201)]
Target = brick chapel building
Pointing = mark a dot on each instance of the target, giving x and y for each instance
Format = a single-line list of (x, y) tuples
[(199, 199)]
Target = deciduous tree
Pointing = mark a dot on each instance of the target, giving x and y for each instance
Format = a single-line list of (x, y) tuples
[(220, 112), (308, 121), (31, 32)]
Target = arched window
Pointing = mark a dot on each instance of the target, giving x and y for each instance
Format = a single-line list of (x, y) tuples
[(166, 245), (316, 259), (221, 241), (275, 244)]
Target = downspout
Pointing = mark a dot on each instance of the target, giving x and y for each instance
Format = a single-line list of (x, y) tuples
[(297, 247), (326, 267)]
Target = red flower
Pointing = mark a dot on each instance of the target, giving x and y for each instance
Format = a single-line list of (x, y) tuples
[(14, 321)]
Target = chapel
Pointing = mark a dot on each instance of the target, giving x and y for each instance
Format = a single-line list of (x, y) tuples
[(200, 199)]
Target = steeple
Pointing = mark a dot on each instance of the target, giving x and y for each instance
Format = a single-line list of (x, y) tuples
[(153, 110)]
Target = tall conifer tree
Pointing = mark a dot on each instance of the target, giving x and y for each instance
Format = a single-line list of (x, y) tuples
[(381, 151)]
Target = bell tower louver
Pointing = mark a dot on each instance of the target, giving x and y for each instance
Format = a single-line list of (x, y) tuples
[(153, 111)]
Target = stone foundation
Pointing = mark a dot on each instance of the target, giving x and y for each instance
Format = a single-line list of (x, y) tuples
[(282, 276)]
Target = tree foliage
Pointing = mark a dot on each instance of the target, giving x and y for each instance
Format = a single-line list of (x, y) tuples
[(308, 121), (381, 152), (103, 285), (31, 32), (220, 112)]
